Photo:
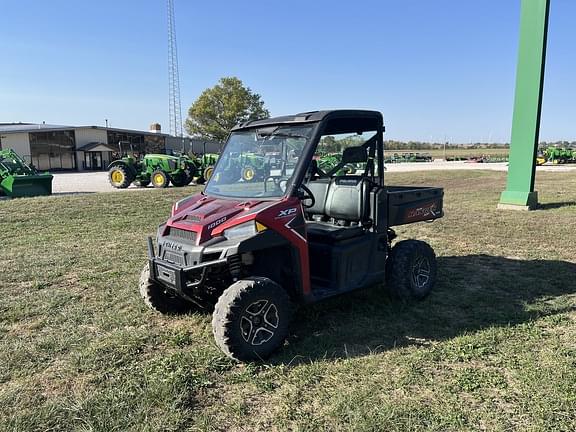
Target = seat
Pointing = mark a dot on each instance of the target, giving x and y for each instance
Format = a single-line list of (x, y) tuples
[(342, 199), (347, 199), (319, 189)]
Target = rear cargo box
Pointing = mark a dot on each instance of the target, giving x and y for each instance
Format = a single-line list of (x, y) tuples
[(408, 204)]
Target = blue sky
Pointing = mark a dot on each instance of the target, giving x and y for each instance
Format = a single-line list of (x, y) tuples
[(438, 70)]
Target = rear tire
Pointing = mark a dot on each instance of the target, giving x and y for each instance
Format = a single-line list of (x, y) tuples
[(251, 319), (159, 298), (180, 180), (411, 270), (119, 177), (159, 179)]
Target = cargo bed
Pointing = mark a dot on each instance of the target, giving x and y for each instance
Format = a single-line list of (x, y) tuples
[(409, 204)]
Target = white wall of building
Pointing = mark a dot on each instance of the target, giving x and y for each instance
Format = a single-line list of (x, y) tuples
[(88, 135), (19, 142)]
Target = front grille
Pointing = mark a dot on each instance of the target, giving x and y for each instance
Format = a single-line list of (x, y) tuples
[(174, 258), (183, 234)]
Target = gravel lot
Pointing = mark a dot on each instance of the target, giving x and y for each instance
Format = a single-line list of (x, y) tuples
[(90, 182), (83, 182)]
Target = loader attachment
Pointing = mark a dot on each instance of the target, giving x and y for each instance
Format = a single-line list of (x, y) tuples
[(18, 179), (27, 185)]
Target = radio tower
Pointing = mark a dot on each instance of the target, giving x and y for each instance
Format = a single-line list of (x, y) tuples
[(173, 76)]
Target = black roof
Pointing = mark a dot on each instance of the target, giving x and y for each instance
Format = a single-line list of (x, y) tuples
[(312, 116)]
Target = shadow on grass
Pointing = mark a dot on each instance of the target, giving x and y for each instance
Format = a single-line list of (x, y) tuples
[(555, 205), (472, 293)]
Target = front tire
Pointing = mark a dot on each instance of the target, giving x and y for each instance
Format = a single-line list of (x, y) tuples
[(208, 173), (411, 270), (248, 174), (159, 298), (251, 319), (160, 179)]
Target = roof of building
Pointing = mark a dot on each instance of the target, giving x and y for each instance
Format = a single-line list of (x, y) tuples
[(93, 145), (29, 127), (7, 128)]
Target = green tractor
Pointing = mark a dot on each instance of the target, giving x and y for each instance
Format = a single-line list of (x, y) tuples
[(158, 169), (557, 155), (18, 179), (254, 167), (205, 166), (328, 161)]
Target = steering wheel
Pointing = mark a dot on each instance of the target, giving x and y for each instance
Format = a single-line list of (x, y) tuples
[(309, 196), (313, 170)]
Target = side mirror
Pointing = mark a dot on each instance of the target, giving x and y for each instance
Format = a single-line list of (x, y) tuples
[(354, 155)]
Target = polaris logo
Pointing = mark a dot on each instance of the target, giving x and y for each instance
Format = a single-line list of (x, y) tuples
[(173, 246), (286, 213), (424, 211)]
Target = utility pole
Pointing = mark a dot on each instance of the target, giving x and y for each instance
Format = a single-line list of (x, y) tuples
[(174, 106)]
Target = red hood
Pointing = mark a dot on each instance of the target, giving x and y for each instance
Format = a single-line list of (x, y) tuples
[(203, 214)]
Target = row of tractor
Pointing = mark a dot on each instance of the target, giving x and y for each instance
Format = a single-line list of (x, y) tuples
[(408, 157), (556, 155), (160, 170)]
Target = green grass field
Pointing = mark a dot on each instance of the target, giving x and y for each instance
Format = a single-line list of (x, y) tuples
[(493, 348)]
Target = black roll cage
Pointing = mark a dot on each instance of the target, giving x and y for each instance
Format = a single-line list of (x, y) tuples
[(374, 147), (344, 121)]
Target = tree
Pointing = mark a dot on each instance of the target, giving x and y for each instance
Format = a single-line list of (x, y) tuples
[(223, 106)]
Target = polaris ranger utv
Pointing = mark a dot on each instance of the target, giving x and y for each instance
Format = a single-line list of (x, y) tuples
[(250, 250)]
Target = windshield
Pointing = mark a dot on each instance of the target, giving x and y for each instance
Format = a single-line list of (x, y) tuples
[(259, 163)]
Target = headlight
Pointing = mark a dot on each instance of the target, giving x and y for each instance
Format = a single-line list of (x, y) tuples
[(246, 229)]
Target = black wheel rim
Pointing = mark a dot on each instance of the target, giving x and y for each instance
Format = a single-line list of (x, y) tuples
[(259, 322), (421, 272)]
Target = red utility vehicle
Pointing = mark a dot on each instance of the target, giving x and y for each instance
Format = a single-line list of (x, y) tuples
[(252, 250)]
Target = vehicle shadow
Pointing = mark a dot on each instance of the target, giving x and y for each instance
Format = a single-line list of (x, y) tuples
[(472, 293)]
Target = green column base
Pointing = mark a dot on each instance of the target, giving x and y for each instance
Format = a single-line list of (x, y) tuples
[(516, 200)]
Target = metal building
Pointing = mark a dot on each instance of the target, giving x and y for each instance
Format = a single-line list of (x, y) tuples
[(77, 148)]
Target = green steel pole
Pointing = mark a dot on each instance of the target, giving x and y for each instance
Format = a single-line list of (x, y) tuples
[(519, 193)]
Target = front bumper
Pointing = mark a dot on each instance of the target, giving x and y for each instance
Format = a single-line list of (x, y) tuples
[(184, 280)]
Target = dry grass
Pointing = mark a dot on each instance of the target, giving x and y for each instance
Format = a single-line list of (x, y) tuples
[(493, 348)]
